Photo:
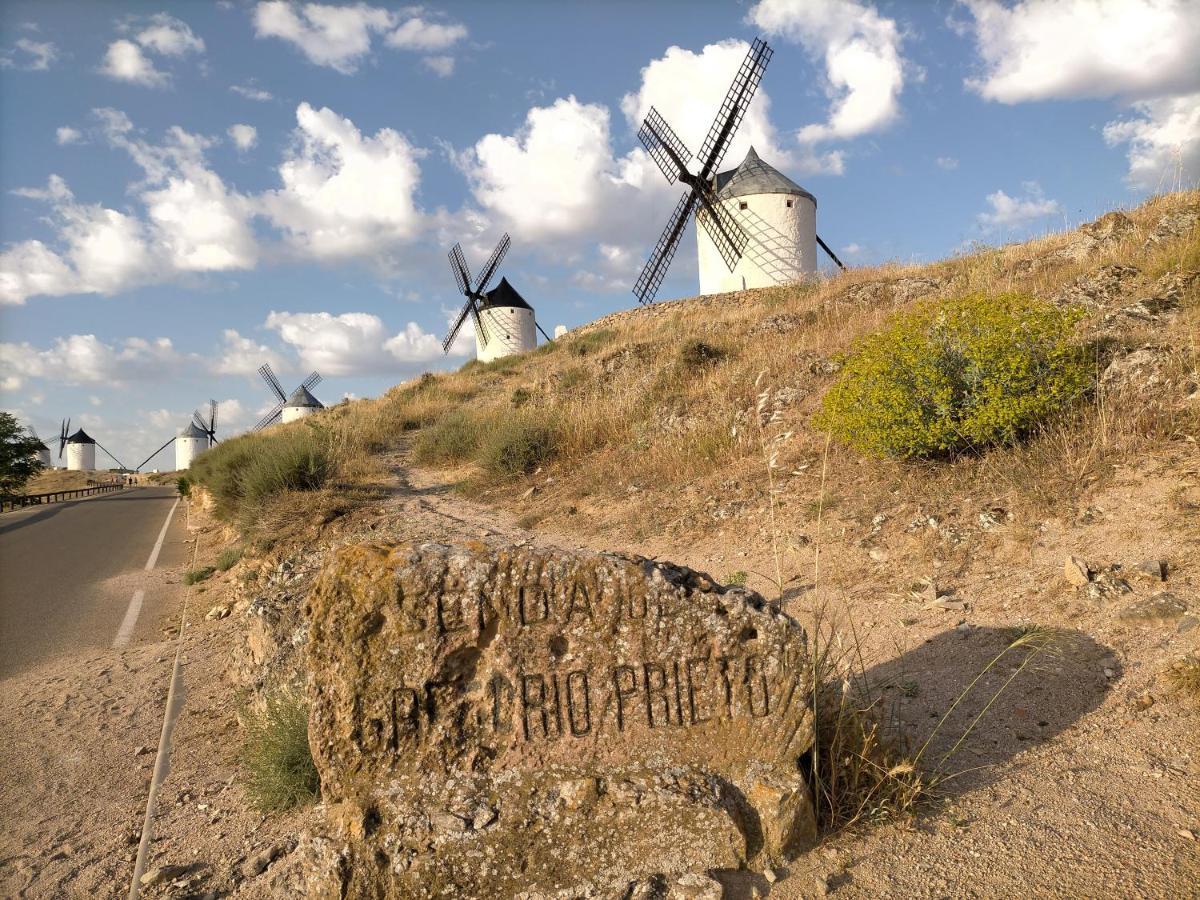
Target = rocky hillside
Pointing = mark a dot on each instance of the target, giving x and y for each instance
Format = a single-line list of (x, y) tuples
[(685, 432)]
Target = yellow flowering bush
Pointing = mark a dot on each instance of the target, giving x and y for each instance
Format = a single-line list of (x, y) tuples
[(954, 375)]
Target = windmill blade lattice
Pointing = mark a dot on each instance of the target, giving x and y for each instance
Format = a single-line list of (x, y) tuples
[(664, 251), (272, 382), (489, 268), (729, 237), (474, 295), (733, 109), (664, 146), (458, 265), (670, 154)]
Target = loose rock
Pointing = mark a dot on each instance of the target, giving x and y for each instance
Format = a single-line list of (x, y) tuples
[(1076, 571)]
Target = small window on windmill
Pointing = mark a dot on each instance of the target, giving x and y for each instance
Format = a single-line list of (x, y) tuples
[(789, 203), (743, 205)]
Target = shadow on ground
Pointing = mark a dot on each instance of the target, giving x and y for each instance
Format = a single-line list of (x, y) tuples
[(1025, 708)]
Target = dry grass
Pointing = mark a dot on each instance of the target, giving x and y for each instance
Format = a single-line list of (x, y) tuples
[(278, 767), (662, 398), (1184, 677)]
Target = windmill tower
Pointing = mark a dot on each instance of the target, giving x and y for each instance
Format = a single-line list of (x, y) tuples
[(42, 454), (755, 227), (80, 447), (289, 408), (504, 323), (197, 436)]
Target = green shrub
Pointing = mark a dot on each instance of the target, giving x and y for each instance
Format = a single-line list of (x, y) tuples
[(243, 472), (963, 374), (278, 764), (518, 445), (229, 558), (521, 396), (455, 437), (737, 579), (584, 344), (696, 354), (295, 460), (195, 576), (183, 486)]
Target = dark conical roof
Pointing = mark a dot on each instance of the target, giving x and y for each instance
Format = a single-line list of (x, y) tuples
[(301, 397), (504, 294), (193, 431), (80, 437), (754, 176)]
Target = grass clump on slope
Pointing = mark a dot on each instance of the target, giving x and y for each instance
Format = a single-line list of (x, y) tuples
[(963, 374), (279, 771)]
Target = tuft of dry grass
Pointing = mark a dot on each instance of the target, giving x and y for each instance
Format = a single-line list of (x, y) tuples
[(1184, 677), (278, 767)]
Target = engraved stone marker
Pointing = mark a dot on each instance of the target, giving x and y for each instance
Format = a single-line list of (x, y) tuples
[(488, 722)]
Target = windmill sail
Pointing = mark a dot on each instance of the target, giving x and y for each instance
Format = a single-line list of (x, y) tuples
[(474, 295), (670, 154)]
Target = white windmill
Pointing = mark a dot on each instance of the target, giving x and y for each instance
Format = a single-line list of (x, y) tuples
[(290, 407), (42, 453), (197, 436), (504, 323), (81, 449), (756, 227)]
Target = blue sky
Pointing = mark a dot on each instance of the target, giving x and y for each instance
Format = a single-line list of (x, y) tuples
[(190, 189)]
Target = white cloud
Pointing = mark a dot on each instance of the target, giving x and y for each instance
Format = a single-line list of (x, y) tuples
[(65, 134), (193, 223), (334, 36), (340, 37), (33, 56), (861, 52), (241, 355), (104, 250), (125, 61), (949, 163), (1164, 142), (352, 343), (556, 176), (417, 34), (345, 194), (1141, 52), (164, 35), (252, 92), (442, 66), (244, 136), (169, 36), (1040, 50), (85, 359), (1014, 212), (199, 224)]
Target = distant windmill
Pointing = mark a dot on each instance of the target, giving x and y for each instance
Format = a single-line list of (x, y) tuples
[(727, 234), (81, 449), (197, 436), (299, 404), (504, 322), (42, 453)]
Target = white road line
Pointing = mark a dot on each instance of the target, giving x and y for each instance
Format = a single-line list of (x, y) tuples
[(125, 632), (161, 537)]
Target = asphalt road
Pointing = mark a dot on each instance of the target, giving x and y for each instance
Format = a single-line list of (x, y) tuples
[(68, 572)]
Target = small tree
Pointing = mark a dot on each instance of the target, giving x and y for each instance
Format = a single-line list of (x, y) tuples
[(18, 455)]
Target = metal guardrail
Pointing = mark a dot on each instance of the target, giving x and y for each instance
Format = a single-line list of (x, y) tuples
[(57, 496)]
